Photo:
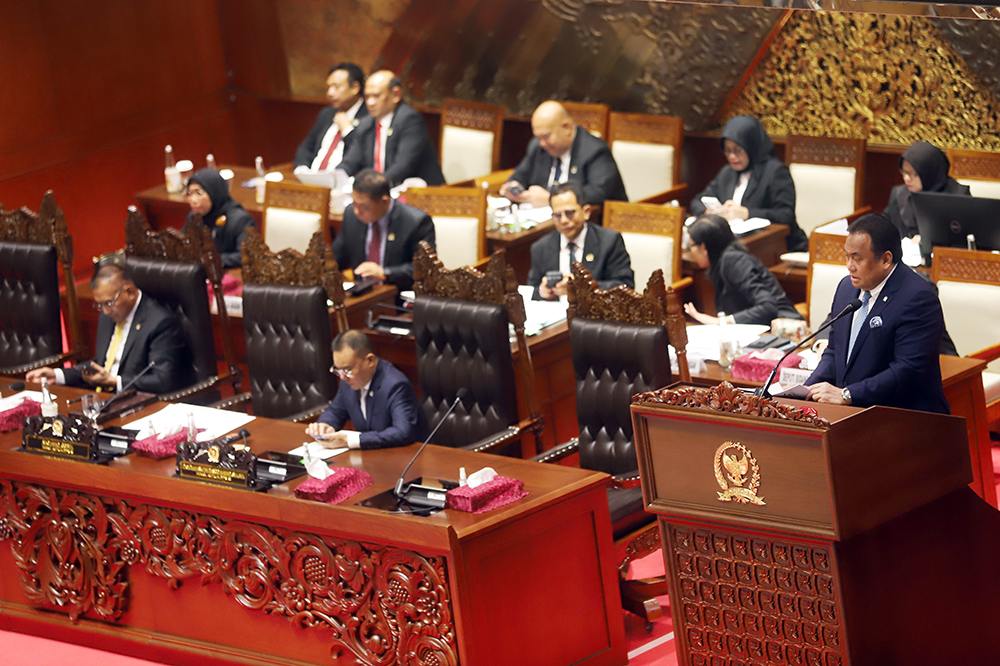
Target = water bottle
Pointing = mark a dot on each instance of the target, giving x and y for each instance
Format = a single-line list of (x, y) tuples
[(210, 161), (259, 164), (171, 173), (49, 406)]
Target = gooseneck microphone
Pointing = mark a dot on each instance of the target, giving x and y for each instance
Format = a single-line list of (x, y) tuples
[(243, 433), (398, 490), (16, 386), (763, 392), (124, 389)]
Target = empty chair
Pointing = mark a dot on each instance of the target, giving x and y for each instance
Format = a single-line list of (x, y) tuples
[(979, 169), (470, 139), (648, 152), (829, 176), (652, 236), (459, 215), (293, 212)]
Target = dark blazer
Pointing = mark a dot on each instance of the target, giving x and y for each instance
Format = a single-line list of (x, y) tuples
[(395, 418), (228, 237), (604, 255), (749, 292), (309, 147), (770, 194), (409, 152), (155, 336), (590, 162), (894, 363), (407, 227)]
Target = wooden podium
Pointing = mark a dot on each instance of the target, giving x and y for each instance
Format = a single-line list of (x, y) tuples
[(798, 533)]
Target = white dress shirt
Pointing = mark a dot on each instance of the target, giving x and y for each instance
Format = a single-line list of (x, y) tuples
[(874, 296), (61, 376), (338, 153), (564, 164), (565, 267)]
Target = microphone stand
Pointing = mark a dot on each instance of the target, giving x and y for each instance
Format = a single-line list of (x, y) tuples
[(398, 490), (124, 389)]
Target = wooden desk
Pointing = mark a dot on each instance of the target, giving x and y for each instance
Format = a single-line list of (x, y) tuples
[(963, 387), (517, 247), (793, 280), (767, 244), (186, 572)]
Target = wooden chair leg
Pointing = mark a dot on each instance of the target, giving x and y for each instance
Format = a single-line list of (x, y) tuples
[(639, 598)]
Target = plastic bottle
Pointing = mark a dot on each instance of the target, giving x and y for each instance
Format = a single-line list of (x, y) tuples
[(171, 173), (259, 164), (210, 161), (192, 429), (49, 406), (727, 342)]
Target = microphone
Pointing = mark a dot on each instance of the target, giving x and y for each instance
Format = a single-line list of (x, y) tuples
[(398, 490), (124, 389), (16, 386), (763, 392), (242, 434)]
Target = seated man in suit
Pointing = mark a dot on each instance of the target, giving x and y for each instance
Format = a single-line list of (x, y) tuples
[(394, 139), (374, 396), (562, 151), (133, 332), (887, 352), (379, 235), (323, 148), (601, 250)]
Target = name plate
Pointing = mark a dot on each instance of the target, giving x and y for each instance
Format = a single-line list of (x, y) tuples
[(213, 473), (64, 436), (58, 447), (219, 461)]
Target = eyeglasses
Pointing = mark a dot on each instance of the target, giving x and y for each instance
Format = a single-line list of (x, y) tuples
[(345, 373), (734, 150), (559, 214), (108, 304)]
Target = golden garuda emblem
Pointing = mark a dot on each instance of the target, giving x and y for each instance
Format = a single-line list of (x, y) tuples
[(738, 475)]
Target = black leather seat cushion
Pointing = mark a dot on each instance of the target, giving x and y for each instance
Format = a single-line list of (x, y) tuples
[(288, 338), (30, 325), (627, 511), (465, 344)]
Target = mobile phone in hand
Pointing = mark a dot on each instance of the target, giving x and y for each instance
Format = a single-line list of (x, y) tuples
[(515, 190), (552, 278)]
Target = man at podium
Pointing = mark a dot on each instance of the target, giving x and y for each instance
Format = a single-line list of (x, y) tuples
[(887, 352)]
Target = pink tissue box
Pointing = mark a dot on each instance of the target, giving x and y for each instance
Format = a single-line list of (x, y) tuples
[(13, 418), (157, 447), (343, 483), (757, 369), (490, 495)]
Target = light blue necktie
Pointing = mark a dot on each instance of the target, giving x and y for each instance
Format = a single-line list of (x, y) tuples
[(859, 321)]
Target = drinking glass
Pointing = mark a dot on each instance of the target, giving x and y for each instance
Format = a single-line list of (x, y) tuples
[(91, 407)]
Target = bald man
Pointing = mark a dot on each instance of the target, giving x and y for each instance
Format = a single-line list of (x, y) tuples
[(393, 140), (562, 151)]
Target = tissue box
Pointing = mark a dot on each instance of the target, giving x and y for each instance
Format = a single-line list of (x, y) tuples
[(157, 447), (343, 483), (490, 495), (751, 366), (13, 418)]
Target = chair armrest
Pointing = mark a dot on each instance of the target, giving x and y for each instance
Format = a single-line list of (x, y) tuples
[(625, 481), (803, 309), (492, 182), (674, 193), (682, 284), (504, 437), (230, 403), (204, 386), (307, 415), (56, 359), (988, 354), (559, 452)]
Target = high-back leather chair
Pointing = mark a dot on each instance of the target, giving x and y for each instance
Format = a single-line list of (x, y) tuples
[(32, 246), (470, 139), (287, 327), (173, 269), (293, 212), (619, 343), (979, 169), (647, 150), (459, 215), (461, 323)]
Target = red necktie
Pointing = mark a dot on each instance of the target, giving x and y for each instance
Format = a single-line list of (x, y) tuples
[(378, 147), (333, 146), (375, 244)]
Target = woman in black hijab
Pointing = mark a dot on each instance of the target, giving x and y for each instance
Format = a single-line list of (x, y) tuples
[(744, 288), (754, 184), (925, 169), (208, 196)]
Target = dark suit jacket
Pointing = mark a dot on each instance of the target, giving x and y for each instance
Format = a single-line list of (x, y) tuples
[(896, 363), (309, 147), (395, 418), (409, 152), (229, 237), (604, 255), (770, 194), (745, 289), (407, 227), (155, 336), (590, 162)]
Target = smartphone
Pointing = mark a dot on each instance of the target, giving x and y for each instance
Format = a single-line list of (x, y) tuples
[(515, 190), (552, 278), (279, 457), (88, 370)]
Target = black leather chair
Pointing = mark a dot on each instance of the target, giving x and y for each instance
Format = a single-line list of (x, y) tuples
[(31, 249), (287, 326), (173, 269), (461, 325), (619, 344)]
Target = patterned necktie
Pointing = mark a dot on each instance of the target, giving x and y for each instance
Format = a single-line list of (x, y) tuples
[(555, 179), (116, 341), (329, 153), (378, 147), (571, 246), (375, 244), (859, 321)]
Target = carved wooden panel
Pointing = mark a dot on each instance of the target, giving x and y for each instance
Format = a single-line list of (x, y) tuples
[(591, 117), (978, 43), (384, 605), (974, 164), (316, 267), (966, 266), (47, 227), (644, 128), (298, 196), (826, 248), (644, 219), (449, 201), (473, 115), (142, 241), (726, 398), (620, 303), (824, 150), (755, 600)]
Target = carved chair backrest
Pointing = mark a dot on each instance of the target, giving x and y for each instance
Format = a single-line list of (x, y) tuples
[(293, 212), (470, 139), (968, 283), (591, 117), (829, 176), (459, 215), (647, 150)]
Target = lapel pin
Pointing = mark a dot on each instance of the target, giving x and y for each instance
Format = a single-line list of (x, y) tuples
[(391, 237), (354, 122), (572, 169), (589, 257), (389, 133), (875, 322), (138, 326), (885, 298)]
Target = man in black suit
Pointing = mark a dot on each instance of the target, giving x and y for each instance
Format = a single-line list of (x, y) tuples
[(374, 396), (602, 251), (379, 235), (323, 148), (398, 131), (132, 332), (561, 151)]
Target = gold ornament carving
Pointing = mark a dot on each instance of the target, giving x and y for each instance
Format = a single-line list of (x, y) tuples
[(887, 79), (732, 462)]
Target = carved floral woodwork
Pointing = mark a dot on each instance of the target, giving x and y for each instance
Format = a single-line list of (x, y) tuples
[(955, 265), (620, 303), (827, 248), (298, 196), (887, 79), (974, 164), (644, 543), (316, 267), (190, 245), (384, 605), (471, 115), (728, 399)]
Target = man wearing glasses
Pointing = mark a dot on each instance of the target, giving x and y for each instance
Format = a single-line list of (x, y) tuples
[(374, 396), (133, 331), (602, 251)]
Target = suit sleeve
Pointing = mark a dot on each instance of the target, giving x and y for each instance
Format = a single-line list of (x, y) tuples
[(602, 180), (779, 204), (402, 431), (307, 150), (713, 190), (539, 265), (522, 173), (738, 272), (916, 344), (339, 246), (354, 159), (168, 352), (335, 415), (618, 268), (401, 274), (413, 141)]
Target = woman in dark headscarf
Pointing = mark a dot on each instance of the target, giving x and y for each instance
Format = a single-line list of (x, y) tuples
[(208, 196), (744, 288), (925, 169), (755, 183)]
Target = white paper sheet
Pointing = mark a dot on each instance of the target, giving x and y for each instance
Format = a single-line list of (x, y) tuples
[(213, 423), (12, 401), (316, 450), (704, 339), (539, 314)]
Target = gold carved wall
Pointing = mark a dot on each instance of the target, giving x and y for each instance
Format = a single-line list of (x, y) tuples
[(887, 79)]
